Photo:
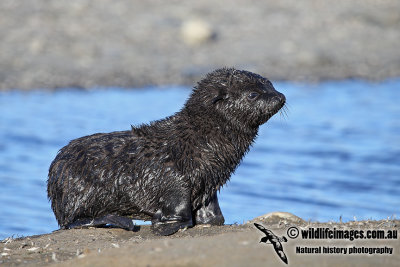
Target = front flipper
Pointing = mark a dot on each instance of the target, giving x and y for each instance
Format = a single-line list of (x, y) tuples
[(210, 213), (110, 219), (175, 213), (170, 227)]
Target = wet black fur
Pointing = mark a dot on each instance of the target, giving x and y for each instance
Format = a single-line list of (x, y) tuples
[(169, 170)]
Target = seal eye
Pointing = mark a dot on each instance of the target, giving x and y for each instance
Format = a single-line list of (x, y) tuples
[(253, 95)]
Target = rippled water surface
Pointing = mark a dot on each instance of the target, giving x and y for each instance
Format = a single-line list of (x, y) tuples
[(337, 153)]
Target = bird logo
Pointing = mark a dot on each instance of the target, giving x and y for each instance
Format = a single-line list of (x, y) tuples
[(274, 240)]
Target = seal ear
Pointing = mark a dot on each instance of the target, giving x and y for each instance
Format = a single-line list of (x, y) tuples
[(221, 96), (223, 92), (216, 99)]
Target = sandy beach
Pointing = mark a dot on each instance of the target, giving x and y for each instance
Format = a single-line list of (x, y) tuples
[(228, 245)]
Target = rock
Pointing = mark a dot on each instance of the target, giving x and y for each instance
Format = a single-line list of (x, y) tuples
[(276, 217), (195, 32)]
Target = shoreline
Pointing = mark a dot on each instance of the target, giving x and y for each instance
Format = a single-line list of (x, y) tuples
[(55, 45)]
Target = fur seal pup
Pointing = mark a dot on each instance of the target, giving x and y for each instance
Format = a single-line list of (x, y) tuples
[(168, 171)]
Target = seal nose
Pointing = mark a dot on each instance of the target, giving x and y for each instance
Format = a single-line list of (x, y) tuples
[(279, 97), (282, 97)]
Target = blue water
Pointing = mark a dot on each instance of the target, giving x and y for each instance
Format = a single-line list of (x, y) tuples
[(337, 153)]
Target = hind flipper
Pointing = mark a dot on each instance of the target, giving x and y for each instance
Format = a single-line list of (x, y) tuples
[(110, 219)]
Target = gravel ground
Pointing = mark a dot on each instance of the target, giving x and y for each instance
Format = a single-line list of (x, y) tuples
[(132, 43)]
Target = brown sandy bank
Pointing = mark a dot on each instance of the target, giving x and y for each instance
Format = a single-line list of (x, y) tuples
[(229, 245), (131, 43)]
